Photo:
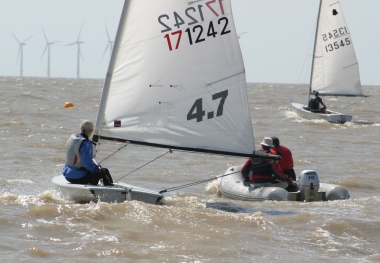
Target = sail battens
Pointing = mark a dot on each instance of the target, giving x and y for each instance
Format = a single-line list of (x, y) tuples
[(351, 65), (340, 36), (193, 2), (226, 78)]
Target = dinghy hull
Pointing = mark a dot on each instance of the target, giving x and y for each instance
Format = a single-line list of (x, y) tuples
[(112, 194), (232, 186), (330, 116)]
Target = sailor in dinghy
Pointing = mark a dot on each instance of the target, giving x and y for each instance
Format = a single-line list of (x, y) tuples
[(314, 103), (80, 167), (264, 172), (81, 174), (286, 162)]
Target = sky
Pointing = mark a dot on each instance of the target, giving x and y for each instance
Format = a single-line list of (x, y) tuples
[(276, 40)]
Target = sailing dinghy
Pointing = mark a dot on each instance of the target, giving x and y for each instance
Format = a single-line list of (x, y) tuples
[(335, 69), (176, 80)]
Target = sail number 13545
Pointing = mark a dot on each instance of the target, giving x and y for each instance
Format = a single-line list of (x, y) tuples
[(197, 112)]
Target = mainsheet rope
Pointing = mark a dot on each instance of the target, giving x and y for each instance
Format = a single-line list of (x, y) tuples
[(169, 151), (361, 99), (206, 180), (125, 145)]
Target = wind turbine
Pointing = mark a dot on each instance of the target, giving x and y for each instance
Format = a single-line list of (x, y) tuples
[(47, 47), (109, 45), (21, 52), (79, 53), (241, 34)]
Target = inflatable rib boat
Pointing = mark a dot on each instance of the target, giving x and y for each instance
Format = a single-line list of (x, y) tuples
[(307, 188)]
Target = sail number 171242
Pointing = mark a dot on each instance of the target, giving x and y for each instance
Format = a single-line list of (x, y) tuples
[(194, 17)]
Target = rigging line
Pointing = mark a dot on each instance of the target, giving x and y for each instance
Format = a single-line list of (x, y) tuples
[(194, 183), (303, 66), (169, 151), (355, 102), (125, 145), (306, 57), (207, 180)]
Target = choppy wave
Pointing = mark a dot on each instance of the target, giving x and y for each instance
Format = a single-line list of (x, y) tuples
[(194, 224)]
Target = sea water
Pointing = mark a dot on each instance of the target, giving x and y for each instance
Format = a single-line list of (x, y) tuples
[(196, 224)]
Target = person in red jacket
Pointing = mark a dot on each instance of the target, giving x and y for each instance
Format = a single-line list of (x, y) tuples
[(286, 162), (265, 172)]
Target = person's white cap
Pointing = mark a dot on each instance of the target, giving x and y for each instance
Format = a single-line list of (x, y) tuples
[(87, 125), (267, 141)]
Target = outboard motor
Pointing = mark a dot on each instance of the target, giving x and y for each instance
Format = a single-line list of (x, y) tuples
[(308, 183)]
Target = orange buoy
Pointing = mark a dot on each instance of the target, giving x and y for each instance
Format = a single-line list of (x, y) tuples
[(69, 105)]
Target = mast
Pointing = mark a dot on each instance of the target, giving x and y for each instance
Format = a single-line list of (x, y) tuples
[(315, 47), (107, 82)]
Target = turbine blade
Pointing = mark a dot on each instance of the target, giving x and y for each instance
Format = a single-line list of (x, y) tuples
[(80, 31), (80, 53), (43, 30), (44, 52), (70, 44), (27, 39), (16, 38), (108, 35), (105, 51)]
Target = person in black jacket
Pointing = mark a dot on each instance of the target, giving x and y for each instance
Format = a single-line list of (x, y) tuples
[(314, 103)]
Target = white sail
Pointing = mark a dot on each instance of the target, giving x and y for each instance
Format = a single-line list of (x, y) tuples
[(335, 67), (177, 79)]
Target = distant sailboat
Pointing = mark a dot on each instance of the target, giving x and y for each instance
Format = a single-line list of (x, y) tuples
[(335, 69)]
